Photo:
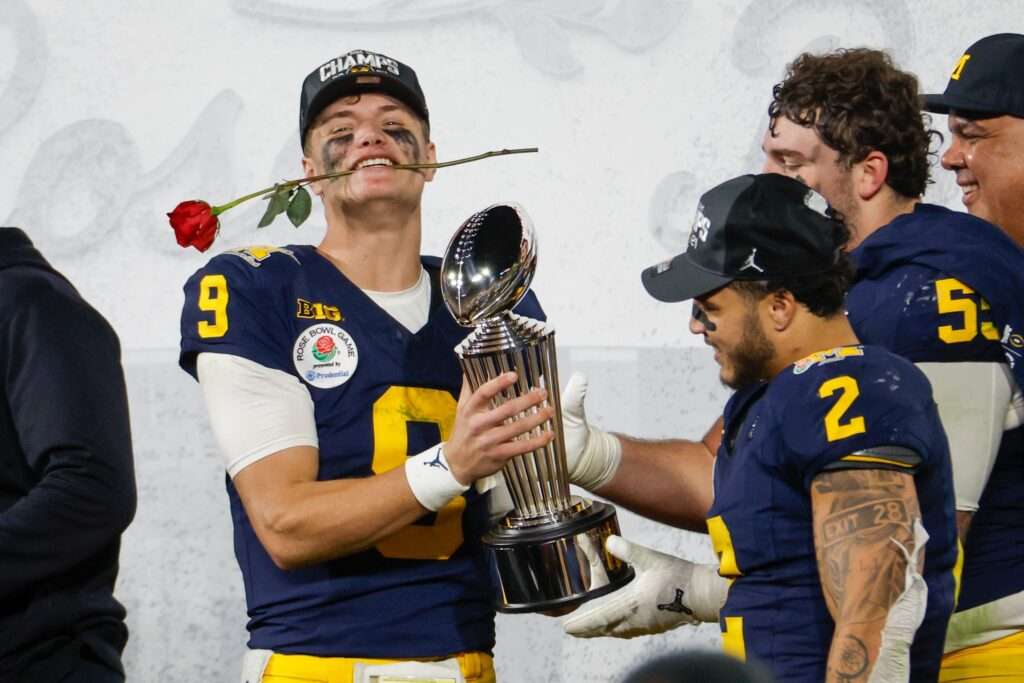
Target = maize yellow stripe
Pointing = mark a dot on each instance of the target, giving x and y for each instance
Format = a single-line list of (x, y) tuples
[(870, 458)]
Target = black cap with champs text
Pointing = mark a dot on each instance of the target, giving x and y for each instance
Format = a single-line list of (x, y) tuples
[(754, 227), (353, 73), (987, 79)]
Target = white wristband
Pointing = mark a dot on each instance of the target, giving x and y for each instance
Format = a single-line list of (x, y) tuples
[(599, 461), (430, 478), (707, 592)]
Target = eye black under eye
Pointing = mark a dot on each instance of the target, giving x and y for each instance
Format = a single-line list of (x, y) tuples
[(701, 316), (401, 134)]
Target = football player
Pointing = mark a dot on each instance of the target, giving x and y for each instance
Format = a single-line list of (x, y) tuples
[(334, 394), (930, 285), (984, 101), (832, 510)]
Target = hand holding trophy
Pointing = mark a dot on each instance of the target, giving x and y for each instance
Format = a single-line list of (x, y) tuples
[(549, 551)]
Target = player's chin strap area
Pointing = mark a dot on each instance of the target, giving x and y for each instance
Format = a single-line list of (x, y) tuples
[(905, 617)]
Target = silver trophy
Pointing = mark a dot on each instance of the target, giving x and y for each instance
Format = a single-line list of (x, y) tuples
[(549, 550)]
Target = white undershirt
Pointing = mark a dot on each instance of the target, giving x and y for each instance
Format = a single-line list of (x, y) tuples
[(411, 307), (974, 420), (256, 411)]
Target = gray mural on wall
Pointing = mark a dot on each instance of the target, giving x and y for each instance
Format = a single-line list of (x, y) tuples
[(94, 166), (541, 28), (26, 72), (754, 52)]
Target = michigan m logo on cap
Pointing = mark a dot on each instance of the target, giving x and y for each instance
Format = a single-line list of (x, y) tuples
[(959, 68)]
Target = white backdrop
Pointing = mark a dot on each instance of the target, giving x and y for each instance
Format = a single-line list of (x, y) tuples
[(112, 112)]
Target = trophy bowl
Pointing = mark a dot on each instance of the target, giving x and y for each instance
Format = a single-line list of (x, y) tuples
[(548, 552), (489, 263)]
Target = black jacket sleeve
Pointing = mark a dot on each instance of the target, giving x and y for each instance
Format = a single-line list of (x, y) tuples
[(65, 392)]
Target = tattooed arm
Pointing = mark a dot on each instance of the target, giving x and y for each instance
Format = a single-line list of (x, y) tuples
[(857, 516)]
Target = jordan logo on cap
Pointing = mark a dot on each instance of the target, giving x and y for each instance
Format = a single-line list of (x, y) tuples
[(749, 263)]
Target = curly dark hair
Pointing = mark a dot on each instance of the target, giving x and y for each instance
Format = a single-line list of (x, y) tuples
[(858, 101)]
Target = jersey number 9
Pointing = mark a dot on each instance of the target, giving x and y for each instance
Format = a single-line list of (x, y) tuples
[(213, 297), (391, 412)]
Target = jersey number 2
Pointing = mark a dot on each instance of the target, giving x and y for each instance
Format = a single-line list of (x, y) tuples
[(835, 428), (391, 412)]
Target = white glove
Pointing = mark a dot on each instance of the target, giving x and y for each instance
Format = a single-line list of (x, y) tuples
[(892, 664), (592, 456), (667, 592)]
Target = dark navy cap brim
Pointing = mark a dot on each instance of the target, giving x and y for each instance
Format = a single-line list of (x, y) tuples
[(680, 280), (942, 103)]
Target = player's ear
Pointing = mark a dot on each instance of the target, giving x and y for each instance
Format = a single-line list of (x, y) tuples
[(869, 175), (781, 309), (308, 171), (431, 158)]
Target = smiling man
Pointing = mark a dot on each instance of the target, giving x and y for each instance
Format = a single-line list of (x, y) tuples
[(985, 103), (984, 100), (331, 383)]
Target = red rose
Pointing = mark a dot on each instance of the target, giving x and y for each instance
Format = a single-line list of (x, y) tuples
[(194, 224), (324, 344)]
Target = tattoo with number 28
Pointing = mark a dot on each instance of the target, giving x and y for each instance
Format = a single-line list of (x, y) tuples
[(859, 517)]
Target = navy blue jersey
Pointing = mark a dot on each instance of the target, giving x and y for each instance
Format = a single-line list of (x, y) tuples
[(941, 286), (819, 414), (380, 394)]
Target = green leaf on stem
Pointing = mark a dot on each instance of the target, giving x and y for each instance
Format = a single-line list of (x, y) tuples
[(300, 206), (278, 204)]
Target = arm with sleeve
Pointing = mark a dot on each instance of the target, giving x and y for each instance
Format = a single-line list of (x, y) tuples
[(256, 411), (839, 441), (64, 389)]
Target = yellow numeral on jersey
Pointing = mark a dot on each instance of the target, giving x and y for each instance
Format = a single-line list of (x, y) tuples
[(732, 628), (732, 638), (391, 413), (958, 570), (213, 297), (835, 428), (964, 305), (988, 329), (721, 541)]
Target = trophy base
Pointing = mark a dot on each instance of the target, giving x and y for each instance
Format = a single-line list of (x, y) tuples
[(555, 566)]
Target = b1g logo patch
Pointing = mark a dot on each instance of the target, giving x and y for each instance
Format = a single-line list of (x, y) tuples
[(325, 356)]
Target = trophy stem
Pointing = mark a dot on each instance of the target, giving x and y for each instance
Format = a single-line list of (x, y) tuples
[(537, 481)]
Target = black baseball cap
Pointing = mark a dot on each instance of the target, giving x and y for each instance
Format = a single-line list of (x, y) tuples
[(357, 72), (754, 227), (987, 79)]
